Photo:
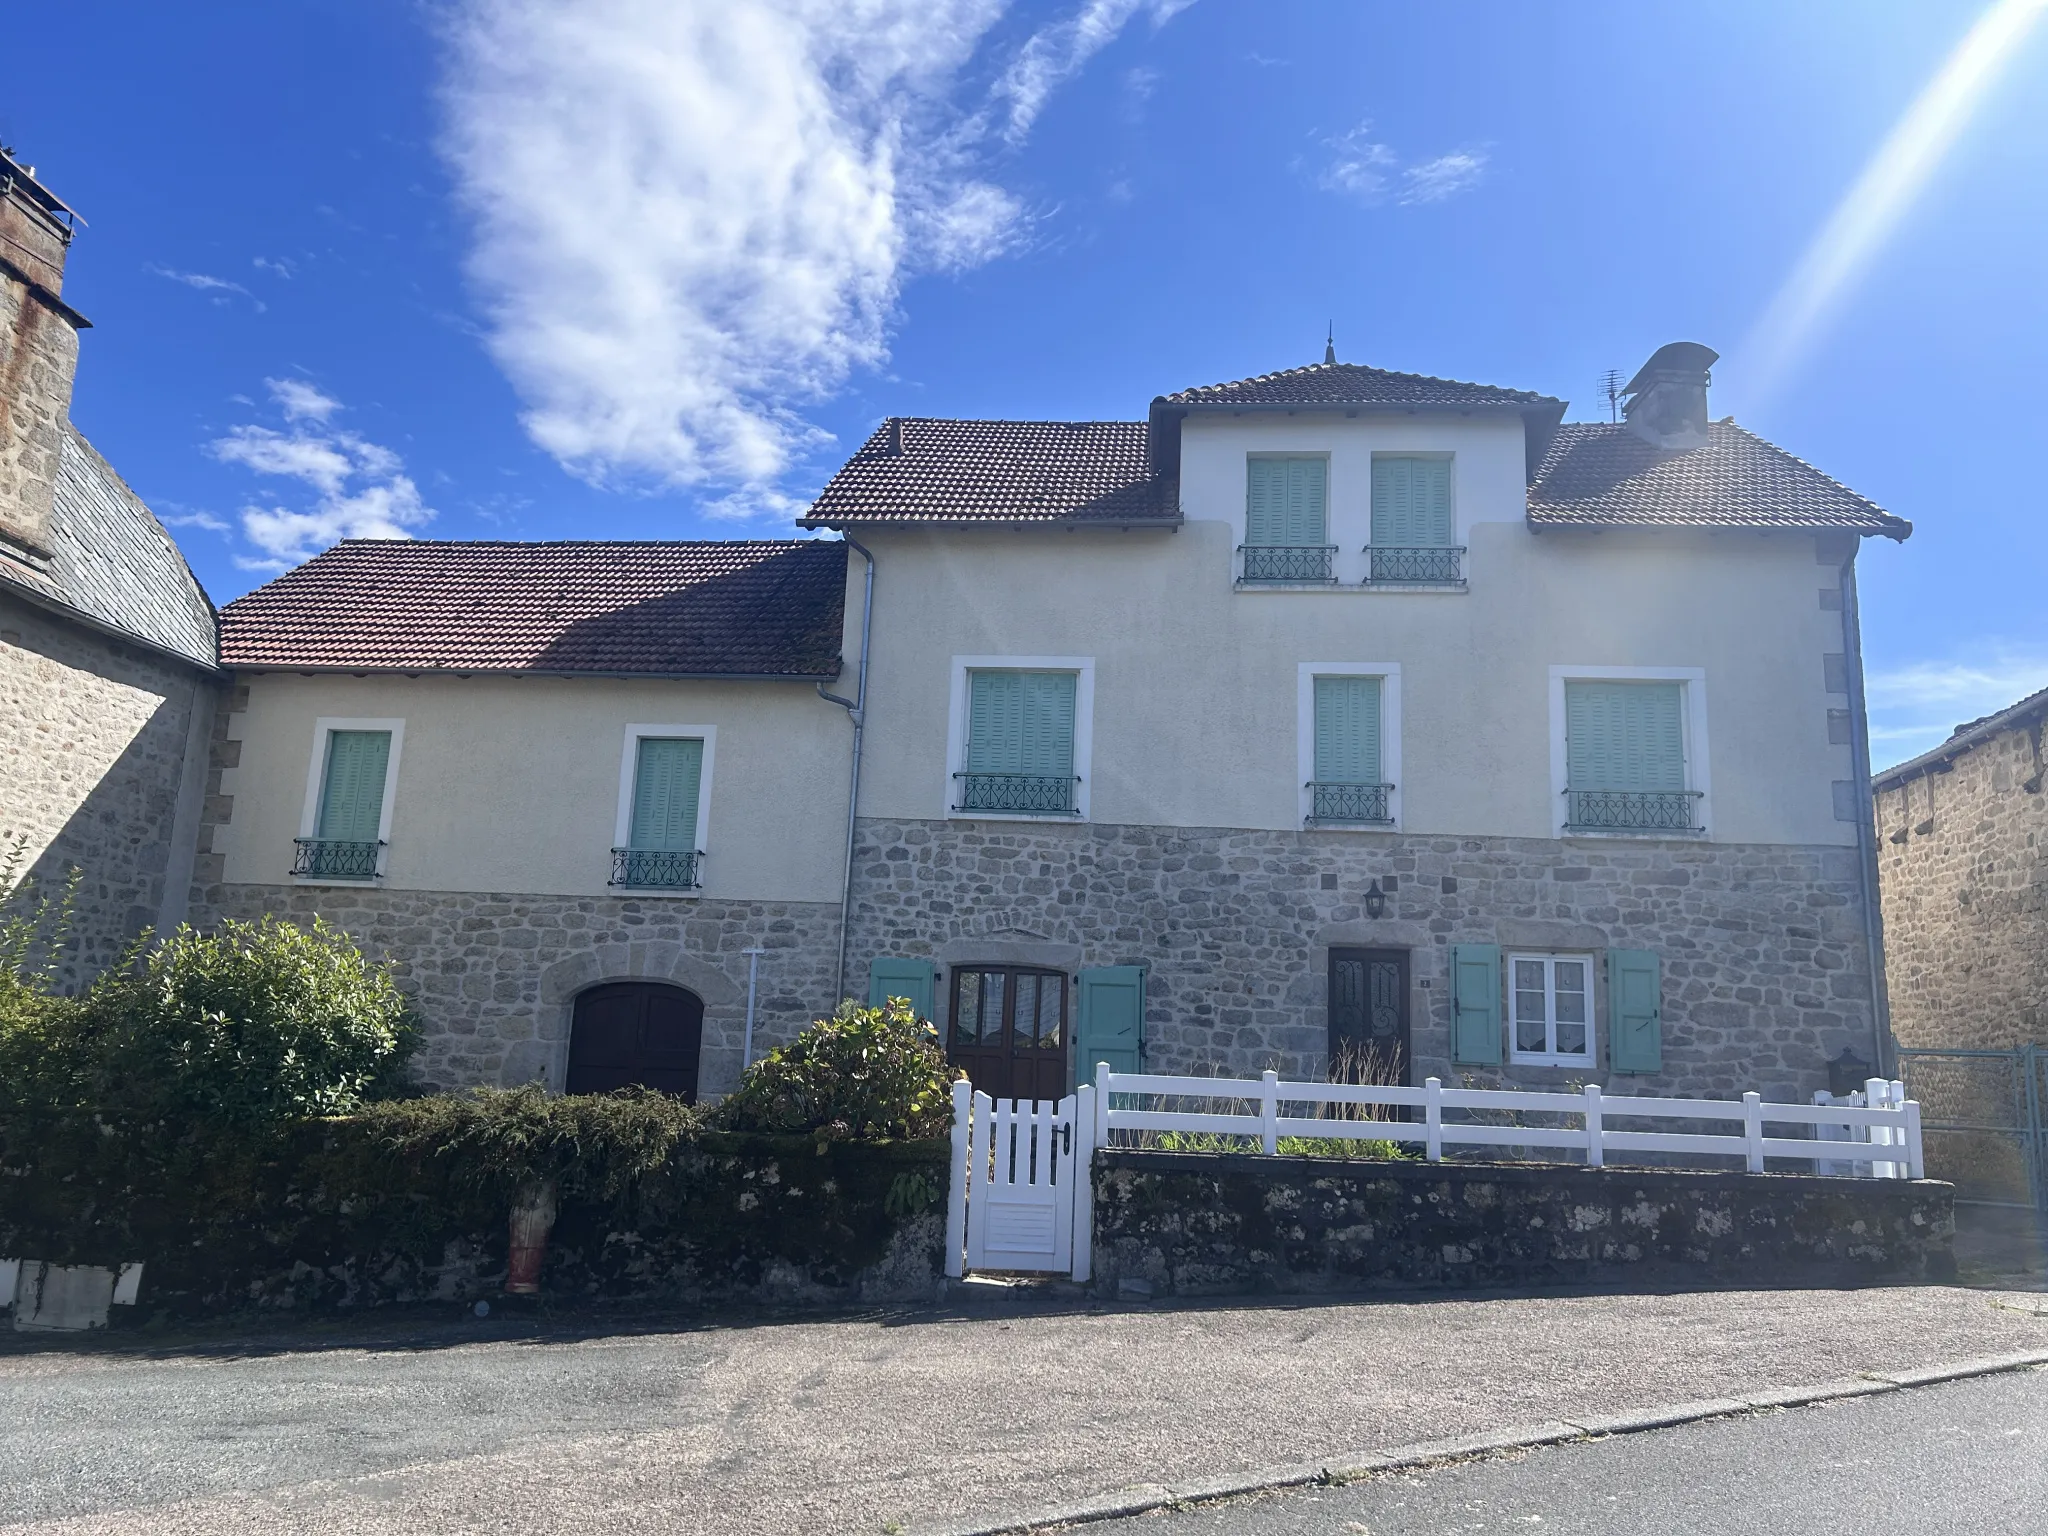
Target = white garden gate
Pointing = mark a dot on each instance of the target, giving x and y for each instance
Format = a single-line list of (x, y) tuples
[(1021, 1199)]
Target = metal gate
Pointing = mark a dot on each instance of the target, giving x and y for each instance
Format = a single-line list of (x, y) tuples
[(1984, 1115), (1020, 1186)]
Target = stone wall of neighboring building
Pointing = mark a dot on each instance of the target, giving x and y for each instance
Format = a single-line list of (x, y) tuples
[(95, 740), (494, 977), (1963, 871), (1764, 965)]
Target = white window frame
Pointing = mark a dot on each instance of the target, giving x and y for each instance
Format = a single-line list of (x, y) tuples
[(1389, 674), (1083, 668), (1692, 715), (316, 772), (622, 824), (1551, 1058)]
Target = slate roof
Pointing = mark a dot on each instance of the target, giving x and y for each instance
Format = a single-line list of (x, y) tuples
[(919, 469), (770, 608), (1600, 475), (1966, 737), (1353, 384), (112, 562)]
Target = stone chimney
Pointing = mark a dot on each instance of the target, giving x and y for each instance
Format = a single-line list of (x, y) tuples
[(1667, 399), (38, 356)]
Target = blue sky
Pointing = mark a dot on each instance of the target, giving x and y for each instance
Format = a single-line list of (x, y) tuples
[(648, 268)]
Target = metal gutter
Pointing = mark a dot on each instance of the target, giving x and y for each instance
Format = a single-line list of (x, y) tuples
[(857, 709), (300, 669)]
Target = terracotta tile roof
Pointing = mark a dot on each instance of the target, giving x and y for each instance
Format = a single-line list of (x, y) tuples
[(1353, 384), (768, 608), (112, 563), (1597, 475), (917, 469)]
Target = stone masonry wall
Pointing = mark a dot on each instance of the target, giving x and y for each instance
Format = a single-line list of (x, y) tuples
[(1963, 874), (1765, 970), (494, 976), (93, 738)]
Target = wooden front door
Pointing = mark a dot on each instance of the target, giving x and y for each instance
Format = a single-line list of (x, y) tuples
[(1009, 1030), (636, 1032), (1369, 1016)]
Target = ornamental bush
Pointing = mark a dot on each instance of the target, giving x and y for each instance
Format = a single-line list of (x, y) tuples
[(864, 1073)]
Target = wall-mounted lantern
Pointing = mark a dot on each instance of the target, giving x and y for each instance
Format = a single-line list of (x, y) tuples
[(1375, 900)]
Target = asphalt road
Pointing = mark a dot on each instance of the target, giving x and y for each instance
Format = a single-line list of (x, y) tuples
[(1969, 1457), (844, 1425)]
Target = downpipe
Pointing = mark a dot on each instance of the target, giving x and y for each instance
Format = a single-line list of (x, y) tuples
[(856, 709), (1866, 827)]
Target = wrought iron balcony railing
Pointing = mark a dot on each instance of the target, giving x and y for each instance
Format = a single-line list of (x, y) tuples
[(1442, 566), (1631, 810), (1027, 794), (1350, 804), (656, 869), (1288, 562), (325, 858)]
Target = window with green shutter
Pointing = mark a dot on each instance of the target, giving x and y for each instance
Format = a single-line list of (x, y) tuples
[(1413, 530), (1625, 764), (661, 851), (1349, 785), (1019, 755), (1286, 523), (348, 824)]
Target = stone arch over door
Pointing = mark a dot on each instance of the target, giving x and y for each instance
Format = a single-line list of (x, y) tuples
[(653, 960)]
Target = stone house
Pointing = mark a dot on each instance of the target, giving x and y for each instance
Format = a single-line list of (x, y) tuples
[(1963, 861), (1324, 717), (108, 675)]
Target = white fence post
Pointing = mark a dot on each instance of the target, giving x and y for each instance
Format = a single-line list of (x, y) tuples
[(1898, 1102), (1753, 1129), (1916, 1161), (956, 1202), (1102, 1103), (1877, 1093), (1269, 1111), (1083, 1168), (1433, 1117), (1596, 1150)]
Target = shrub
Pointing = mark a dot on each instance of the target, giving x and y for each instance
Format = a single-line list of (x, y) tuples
[(495, 1143), (861, 1074)]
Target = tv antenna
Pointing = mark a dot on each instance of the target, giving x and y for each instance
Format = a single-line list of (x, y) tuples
[(1611, 391)]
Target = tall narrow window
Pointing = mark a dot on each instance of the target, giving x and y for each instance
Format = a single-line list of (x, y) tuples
[(1413, 531), (661, 851), (348, 826), (1286, 522), (1349, 784), (1552, 998), (1625, 768), (1020, 744)]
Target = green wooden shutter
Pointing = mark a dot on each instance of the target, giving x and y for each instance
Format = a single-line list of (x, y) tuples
[(1287, 502), (1347, 730), (1624, 736), (665, 781), (1048, 724), (1635, 1011), (352, 794), (914, 979), (1411, 503), (1475, 1004), (1110, 1020), (1021, 722)]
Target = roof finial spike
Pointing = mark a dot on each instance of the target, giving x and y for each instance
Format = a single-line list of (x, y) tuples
[(1330, 344)]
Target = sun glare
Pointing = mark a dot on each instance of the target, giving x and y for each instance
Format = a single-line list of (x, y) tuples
[(1863, 219)]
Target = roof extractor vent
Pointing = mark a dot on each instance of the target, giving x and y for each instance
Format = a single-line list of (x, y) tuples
[(1667, 399)]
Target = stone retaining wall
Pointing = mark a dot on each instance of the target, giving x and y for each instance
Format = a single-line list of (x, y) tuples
[(494, 976), (1200, 1224), (1765, 969)]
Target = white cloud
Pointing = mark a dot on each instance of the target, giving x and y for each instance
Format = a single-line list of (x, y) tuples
[(693, 217), (220, 287), (280, 266), (1914, 708), (1445, 176), (1360, 166), (360, 489)]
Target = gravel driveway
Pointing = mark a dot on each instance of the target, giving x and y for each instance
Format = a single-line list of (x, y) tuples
[(852, 1424)]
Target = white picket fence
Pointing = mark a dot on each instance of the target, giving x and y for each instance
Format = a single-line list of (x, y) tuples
[(1883, 1133), (1022, 1198)]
